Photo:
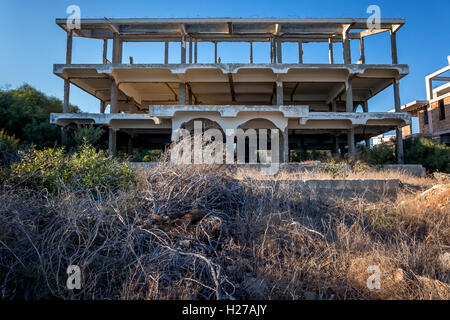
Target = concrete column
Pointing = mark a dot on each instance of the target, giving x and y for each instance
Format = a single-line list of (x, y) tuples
[(346, 48), (300, 52), (102, 106), (399, 137), (365, 106), (336, 145), (130, 145), (251, 52), (182, 93), (367, 142), (183, 49), (333, 106), (362, 51), (105, 50), (399, 146), (397, 95), (112, 141), (330, 51), (215, 52), (349, 96), (394, 47), (114, 98), (351, 142), (195, 51), (166, 52), (117, 49), (279, 92), (286, 145), (190, 50), (272, 51), (66, 104), (279, 52)]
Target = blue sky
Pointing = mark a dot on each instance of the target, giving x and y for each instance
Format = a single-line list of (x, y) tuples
[(31, 42)]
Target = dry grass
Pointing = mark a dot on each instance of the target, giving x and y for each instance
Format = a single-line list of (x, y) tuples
[(199, 233)]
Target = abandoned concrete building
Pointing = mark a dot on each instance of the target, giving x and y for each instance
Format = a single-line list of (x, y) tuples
[(433, 113), (313, 105)]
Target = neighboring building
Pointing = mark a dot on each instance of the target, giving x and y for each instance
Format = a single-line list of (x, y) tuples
[(383, 139), (434, 113), (313, 105)]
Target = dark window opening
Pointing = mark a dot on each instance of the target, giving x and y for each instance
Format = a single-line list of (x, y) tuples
[(441, 110), (425, 115)]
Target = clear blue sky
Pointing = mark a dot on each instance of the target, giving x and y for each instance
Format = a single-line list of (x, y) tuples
[(31, 42)]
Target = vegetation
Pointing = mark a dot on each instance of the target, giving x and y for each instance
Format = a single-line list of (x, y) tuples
[(87, 135), (25, 113), (188, 232), (433, 156), (84, 170)]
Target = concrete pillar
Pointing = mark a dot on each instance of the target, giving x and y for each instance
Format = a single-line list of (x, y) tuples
[(346, 48), (272, 51), (105, 50), (397, 95), (279, 52), (399, 146), (182, 93), (394, 47), (102, 106), (190, 50), (349, 96), (333, 106), (330, 51), (112, 141), (130, 145), (166, 52), (195, 51), (215, 52), (251, 52), (362, 51), (367, 142), (351, 142), (336, 145), (113, 105), (300, 52), (399, 137), (117, 49), (183, 49), (279, 92), (66, 104), (286, 145)]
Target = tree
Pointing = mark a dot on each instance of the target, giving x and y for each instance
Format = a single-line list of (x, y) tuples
[(25, 113)]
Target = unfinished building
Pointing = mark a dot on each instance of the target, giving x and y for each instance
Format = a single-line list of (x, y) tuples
[(433, 113), (313, 105)]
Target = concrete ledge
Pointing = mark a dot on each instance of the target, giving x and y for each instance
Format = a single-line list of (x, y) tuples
[(371, 190), (168, 111), (98, 118), (413, 169), (358, 118)]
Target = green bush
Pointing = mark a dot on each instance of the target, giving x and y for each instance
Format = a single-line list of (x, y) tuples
[(85, 170), (25, 113), (381, 154), (147, 155), (433, 156), (89, 135), (9, 145)]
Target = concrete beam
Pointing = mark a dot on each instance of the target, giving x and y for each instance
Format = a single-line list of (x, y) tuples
[(228, 111)]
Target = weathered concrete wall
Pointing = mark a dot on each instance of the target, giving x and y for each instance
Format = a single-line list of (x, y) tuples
[(413, 169)]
